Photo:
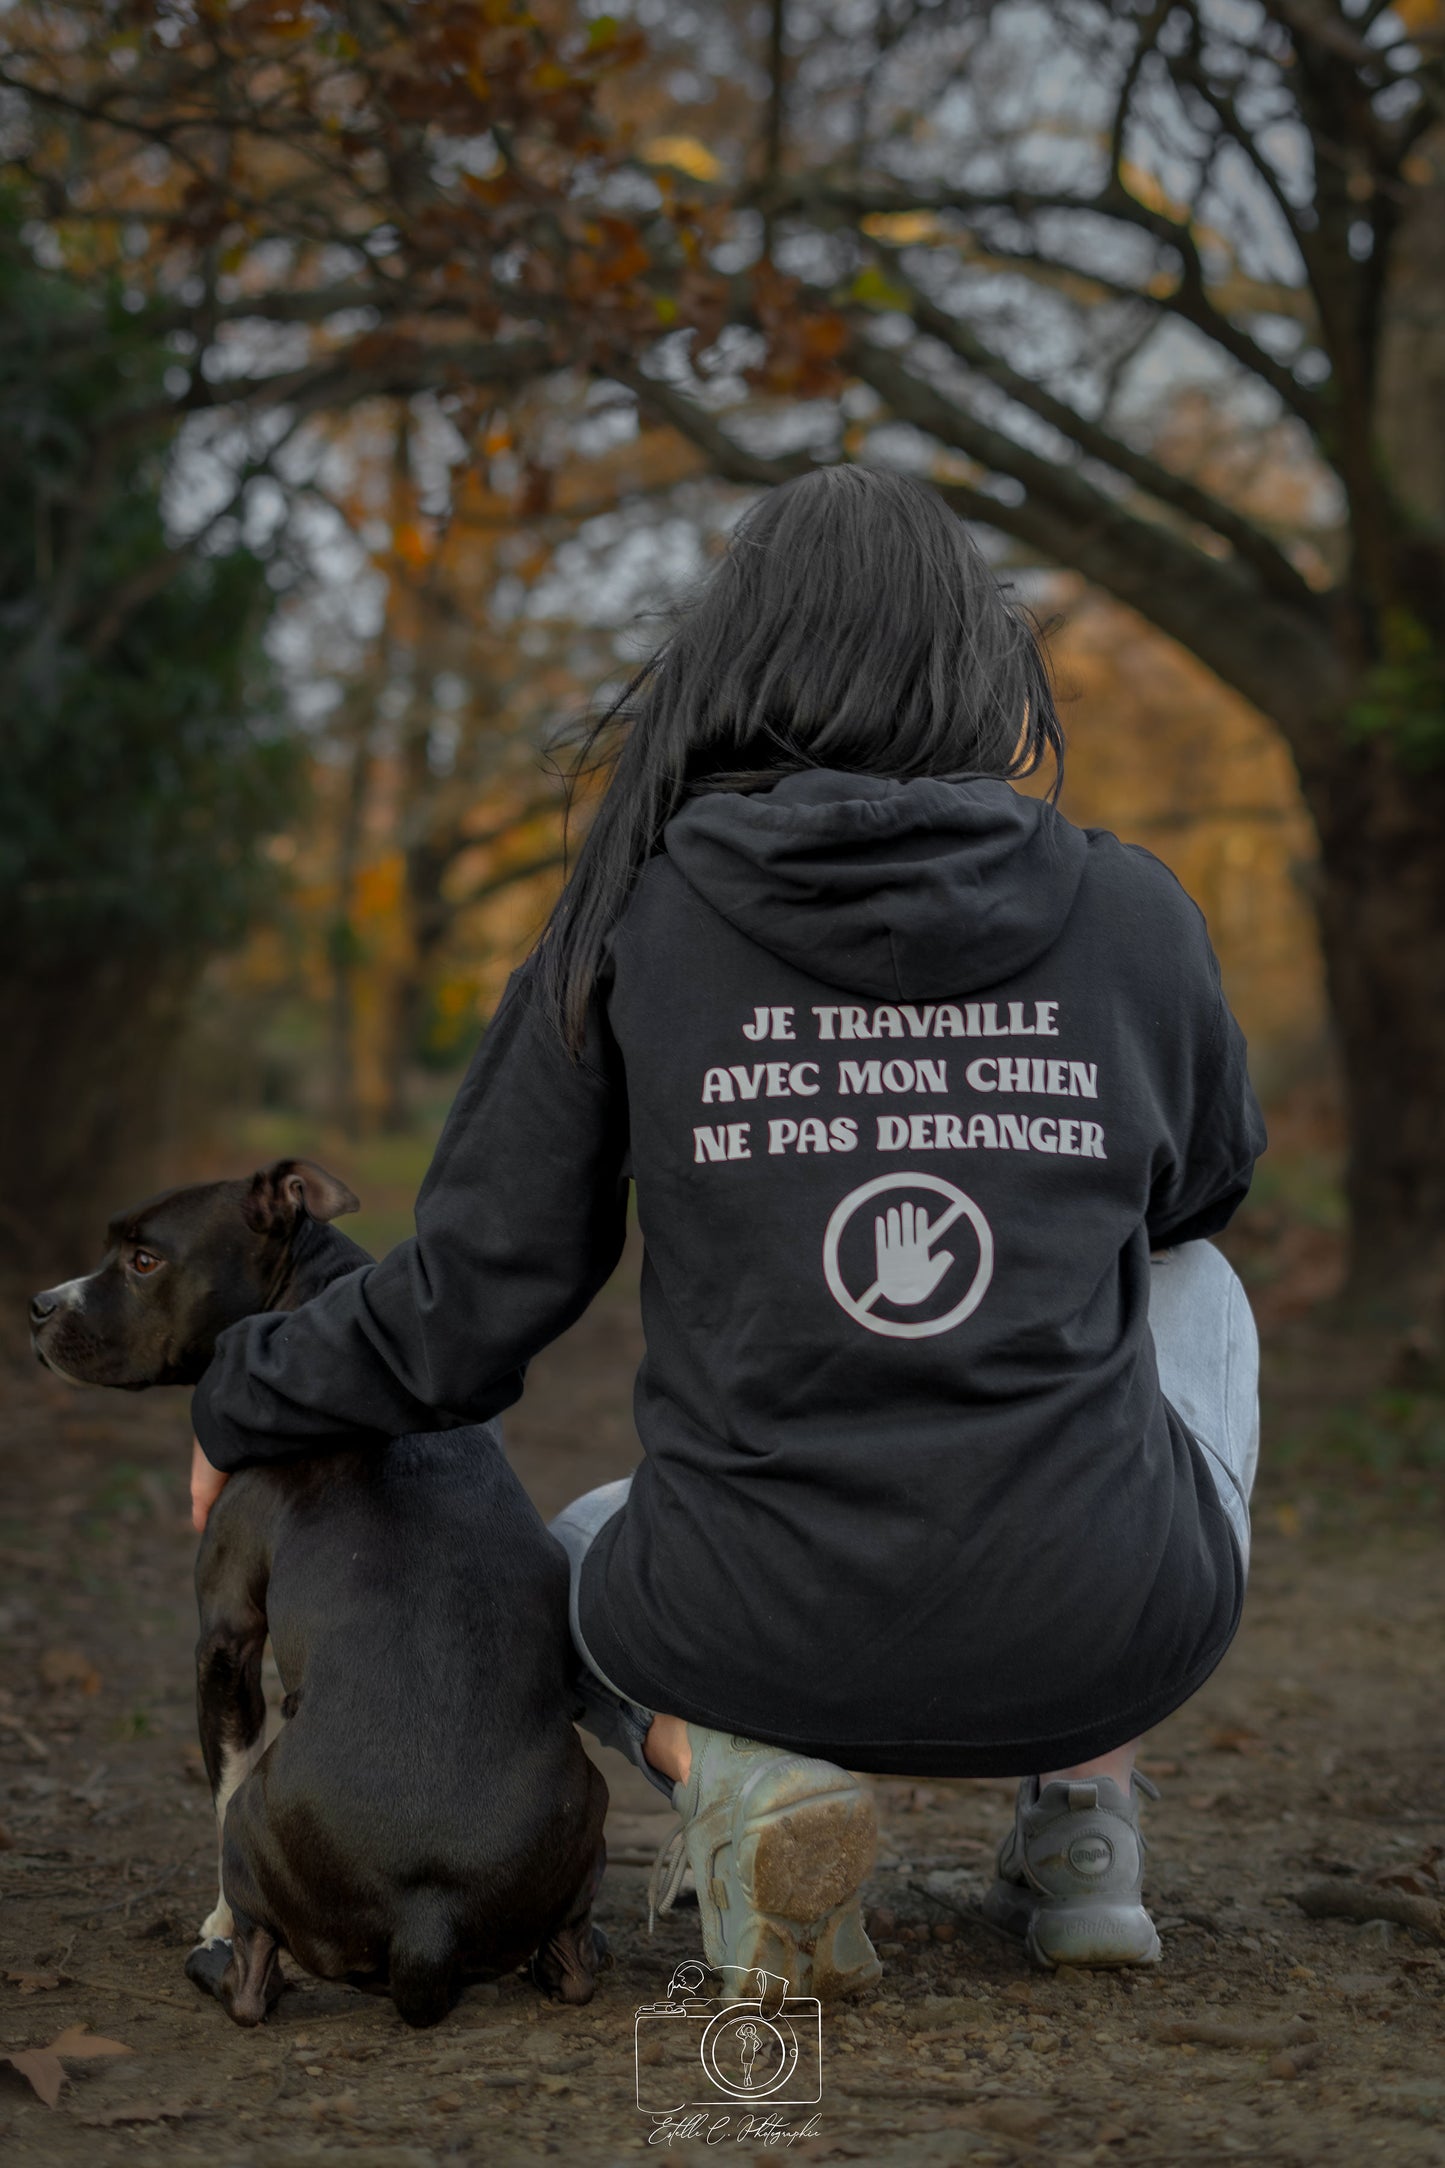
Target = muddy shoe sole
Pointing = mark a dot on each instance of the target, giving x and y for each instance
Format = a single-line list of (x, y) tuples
[(779, 1881)]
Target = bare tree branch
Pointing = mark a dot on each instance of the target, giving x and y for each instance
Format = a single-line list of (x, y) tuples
[(1176, 490), (1189, 298), (528, 870), (724, 455), (1275, 654)]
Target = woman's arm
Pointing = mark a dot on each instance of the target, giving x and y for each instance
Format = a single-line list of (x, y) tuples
[(520, 1220), (1222, 1135)]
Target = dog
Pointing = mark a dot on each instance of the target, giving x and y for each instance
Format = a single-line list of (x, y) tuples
[(426, 1813)]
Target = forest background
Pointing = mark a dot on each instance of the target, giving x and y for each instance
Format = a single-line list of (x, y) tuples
[(373, 377)]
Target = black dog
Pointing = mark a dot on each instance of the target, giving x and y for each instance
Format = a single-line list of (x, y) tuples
[(426, 1812)]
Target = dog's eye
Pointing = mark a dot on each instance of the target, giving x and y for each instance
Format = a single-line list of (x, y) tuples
[(146, 1261)]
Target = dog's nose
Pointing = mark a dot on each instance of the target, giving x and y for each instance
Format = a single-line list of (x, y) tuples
[(43, 1305)]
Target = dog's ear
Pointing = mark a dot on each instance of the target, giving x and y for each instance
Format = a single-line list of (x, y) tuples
[(280, 1194)]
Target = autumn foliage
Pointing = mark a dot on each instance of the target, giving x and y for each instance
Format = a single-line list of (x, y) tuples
[(463, 294)]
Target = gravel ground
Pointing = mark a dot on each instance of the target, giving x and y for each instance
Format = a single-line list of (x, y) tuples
[(1313, 1760)]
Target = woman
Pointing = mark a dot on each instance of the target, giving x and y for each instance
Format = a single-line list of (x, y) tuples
[(941, 1473)]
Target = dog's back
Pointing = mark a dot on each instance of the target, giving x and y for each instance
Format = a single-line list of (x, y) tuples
[(427, 1809)]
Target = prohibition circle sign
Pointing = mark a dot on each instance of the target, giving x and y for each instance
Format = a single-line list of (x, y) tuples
[(860, 1307)]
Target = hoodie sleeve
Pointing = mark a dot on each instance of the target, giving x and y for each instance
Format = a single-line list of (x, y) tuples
[(1198, 1191), (521, 1219)]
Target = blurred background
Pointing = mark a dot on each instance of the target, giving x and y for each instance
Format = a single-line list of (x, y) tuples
[(371, 380), (374, 375)]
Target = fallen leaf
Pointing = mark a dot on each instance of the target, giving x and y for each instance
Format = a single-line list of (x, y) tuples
[(42, 2067), (1410, 1879), (1419, 1878), (1236, 1739), (80, 2044), (62, 1668), (33, 1983), (43, 2071)]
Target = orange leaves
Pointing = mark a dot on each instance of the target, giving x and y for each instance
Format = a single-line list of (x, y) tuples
[(624, 264), (412, 545), (804, 345), (534, 495), (283, 107), (1422, 18), (608, 257), (491, 189), (465, 65), (1163, 754), (377, 893), (686, 153)]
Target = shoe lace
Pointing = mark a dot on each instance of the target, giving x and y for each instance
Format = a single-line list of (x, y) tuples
[(666, 1879)]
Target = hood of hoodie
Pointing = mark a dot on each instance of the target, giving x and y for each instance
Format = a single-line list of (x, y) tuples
[(899, 890)]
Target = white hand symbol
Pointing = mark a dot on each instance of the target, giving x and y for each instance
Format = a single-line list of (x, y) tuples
[(906, 1272)]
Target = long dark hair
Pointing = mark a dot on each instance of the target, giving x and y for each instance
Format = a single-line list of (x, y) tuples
[(852, 623)]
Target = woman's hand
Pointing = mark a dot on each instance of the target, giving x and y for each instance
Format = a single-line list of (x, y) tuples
[(207, 1484)]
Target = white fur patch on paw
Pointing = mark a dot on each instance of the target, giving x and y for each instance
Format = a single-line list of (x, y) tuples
[(218, 1926)]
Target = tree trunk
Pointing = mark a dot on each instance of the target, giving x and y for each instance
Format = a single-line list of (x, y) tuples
[(1381, 908), (428, 918), (87, 1066), (343, 945)]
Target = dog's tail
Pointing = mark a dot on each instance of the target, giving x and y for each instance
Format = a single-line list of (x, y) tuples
[(422, 1966)]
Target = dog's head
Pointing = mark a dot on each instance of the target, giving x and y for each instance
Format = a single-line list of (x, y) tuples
[(179, 1269)]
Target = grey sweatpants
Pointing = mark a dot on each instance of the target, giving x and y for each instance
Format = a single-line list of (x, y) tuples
[(1208, 1357)]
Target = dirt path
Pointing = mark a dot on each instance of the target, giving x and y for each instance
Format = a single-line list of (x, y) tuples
[(1314, 1756)]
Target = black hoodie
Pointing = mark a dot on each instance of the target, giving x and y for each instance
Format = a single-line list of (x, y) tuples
[(910, 1078)]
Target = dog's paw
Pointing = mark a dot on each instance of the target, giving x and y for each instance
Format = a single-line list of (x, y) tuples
[(217, 1926), (207, 1965)]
